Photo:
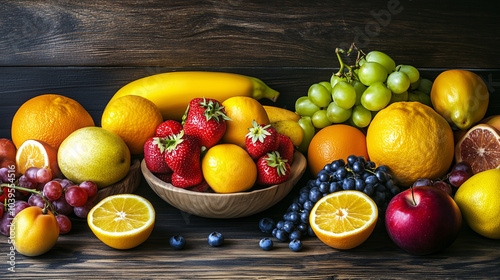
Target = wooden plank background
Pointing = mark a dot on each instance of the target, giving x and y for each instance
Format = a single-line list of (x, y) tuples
[(87, 50)]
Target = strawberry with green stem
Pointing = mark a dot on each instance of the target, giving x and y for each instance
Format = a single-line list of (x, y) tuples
[(261, 139), (205, 119), (272, 169)]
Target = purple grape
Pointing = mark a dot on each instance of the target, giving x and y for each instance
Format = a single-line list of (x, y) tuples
[(20, 205), (65, 183), (53, 190), (443, 186), (84, 210), (36, 200), (422, 182), (31, 174), (76, 196), (89, 186), (4, 175), (26, 183), (43, 175), (61, 206), (464, 166), (5, 221), (458, 177), (64, 223)]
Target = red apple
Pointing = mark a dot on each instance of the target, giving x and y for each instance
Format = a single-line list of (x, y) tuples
[(423, 220)]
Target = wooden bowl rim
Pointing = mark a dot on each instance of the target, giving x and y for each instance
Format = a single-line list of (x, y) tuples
[(298, 168)]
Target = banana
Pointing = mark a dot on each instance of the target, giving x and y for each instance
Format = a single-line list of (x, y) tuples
[(276, 114), (173, 91)]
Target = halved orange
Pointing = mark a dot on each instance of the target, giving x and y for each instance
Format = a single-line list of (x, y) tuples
[(344, 219), (35, 153), (480, 147), (122, 221)]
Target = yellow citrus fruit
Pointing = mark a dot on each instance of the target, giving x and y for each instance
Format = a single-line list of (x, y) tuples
[(479, 201), (49, 118), (122, 221), (460, 96), (345, 219), (35, 232), (242, 110), (412, 140), (292, 129), (34, 153), (228, 168), (94, 154), (134, 118), (335, 142)]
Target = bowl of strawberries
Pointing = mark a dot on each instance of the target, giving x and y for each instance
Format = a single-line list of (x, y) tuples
[(191, 169)]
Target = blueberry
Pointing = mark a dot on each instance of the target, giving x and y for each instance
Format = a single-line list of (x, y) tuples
[(304, 216), (294, 207), (314, 195), (177, 242), (308, 205), (295, 245), (274, 232), (215, 239), (303, 197), (294, 217), (279, 224), (296, 234), (310, 231), (267, 225), (323, 176), (266, 244), (302, 228), (281, 235), (288, 226)]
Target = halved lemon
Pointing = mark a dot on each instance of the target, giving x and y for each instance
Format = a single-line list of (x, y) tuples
[(35, 153), (345, 219), (122, 221)]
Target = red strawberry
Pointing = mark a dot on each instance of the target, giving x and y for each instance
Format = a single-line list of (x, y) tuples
[(272, 169), (182, 153), (154, 157), (261, 139), (201, 187), (167, 128), (205, 120), (286, 148), (165, 177)]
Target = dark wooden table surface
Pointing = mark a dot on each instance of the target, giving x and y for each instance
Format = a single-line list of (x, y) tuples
[(87, 50)]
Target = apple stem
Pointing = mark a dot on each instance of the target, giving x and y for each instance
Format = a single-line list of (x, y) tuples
[(413, 196)]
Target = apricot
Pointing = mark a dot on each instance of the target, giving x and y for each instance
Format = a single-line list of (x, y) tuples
[(35, 232)]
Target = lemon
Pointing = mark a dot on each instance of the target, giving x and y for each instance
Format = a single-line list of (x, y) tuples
[(122, 221), (479, 201), (95, 154), (228, 168)]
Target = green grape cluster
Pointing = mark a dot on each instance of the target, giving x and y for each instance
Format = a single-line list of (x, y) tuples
[(356, 93)]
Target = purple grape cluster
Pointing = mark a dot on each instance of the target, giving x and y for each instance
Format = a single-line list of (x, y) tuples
[(459, 173), (37, 188)]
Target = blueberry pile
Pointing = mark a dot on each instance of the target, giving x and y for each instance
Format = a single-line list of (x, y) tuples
[(357, 174)]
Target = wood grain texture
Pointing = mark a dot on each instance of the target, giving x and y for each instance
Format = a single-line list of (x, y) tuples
[(235, 33)]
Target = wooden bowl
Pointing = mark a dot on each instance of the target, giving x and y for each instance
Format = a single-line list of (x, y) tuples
[(225, 206), (126, 185)]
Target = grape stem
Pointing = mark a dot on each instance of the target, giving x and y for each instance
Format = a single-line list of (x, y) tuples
[(351, 73), (47, 203)]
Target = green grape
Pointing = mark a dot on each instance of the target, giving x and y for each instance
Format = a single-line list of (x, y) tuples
[(344, 95), (360, 88), (425, 86), (372, 72), (361, 117), (423, 98), (361, 61), (410, 71), (398, 82), (383, 59), (376, 97), (320, 120), (327, 85), (319, 95), (416, 84), (413, 97), (337, 114), (399, 97), (309, 131), (335, 79), (305, 107)]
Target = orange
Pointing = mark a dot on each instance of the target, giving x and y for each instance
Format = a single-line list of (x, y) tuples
[(480, 147), (345, 219), (49, 118), (334, 142), (34, 153), (35, 232), (122, 221), (412, 140), (134, 118), (228, 168), (460, 96), (242, 111)]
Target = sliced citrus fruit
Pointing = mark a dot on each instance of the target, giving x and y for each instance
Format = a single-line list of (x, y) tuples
[(122, 221), (35, 153), (480, 147), (345, 219)]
